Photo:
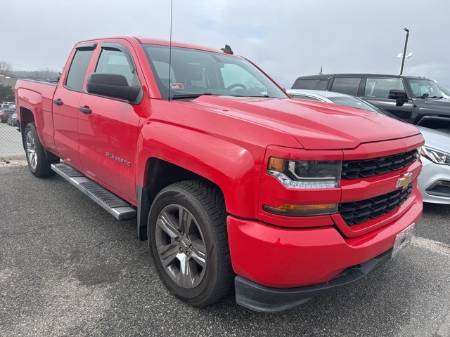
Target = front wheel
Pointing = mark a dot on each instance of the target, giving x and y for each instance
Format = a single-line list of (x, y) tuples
[(188, 240), (37, 157)]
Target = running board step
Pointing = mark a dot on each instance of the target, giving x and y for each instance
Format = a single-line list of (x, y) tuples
[(117, 207)]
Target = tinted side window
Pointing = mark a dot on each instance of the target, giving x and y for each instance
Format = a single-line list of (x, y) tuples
[(380, 87), (346, 85), (116, 62), (322, 85), (77, 71), (313, 84), (304, 84)]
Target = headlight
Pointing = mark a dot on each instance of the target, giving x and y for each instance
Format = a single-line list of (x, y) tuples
[(306, 174), (436, 156)]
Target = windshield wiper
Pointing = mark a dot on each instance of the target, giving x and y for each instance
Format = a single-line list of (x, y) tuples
[(190, 96)]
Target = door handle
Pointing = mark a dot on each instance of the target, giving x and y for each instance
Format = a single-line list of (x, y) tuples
[(85, 109), (58, 101)]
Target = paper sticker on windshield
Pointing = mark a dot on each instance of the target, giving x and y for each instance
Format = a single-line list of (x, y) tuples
[(177, 86)]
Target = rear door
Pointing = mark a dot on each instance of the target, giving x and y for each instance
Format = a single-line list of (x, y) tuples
[(66, 104), (109, 128), (376, 91)]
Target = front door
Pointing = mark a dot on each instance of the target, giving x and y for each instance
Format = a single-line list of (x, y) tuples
[(376, 91)]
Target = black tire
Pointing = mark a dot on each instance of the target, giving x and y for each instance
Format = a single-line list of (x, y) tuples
[(205, 203), (40, 165)]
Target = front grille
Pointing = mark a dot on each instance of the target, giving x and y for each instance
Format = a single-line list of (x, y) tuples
[(354, 169), (360, 211)]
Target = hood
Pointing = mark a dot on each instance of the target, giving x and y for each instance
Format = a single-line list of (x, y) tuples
[(315, 125), (436, 139)]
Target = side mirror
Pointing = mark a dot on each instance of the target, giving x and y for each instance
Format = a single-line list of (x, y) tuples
[(399, 95), (112, 85)]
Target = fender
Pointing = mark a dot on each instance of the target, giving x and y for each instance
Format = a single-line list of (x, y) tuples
[(233, 168), (34, 102)]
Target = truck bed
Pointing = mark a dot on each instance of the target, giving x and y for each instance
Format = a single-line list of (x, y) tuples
[(45, 89), (37, 96)]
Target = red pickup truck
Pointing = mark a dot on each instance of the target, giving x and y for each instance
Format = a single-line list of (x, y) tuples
[(234, 184)]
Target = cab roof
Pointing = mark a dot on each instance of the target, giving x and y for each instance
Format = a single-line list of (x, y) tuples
[(144, 40), (176, 44)]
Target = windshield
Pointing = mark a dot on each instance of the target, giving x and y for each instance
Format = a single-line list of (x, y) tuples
[(445, 91), (425, 88), (354, 103), (196, 72)]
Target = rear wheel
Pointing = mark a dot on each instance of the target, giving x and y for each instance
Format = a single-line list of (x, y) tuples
[(38, 159), (187, 237)]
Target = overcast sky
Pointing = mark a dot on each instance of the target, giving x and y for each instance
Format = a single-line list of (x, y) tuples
[(286, 38)]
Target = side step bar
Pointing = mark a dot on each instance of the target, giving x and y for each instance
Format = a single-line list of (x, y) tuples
[(117, 207)]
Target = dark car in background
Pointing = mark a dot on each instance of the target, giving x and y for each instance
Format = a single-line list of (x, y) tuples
[(5, 113), (416, 100)]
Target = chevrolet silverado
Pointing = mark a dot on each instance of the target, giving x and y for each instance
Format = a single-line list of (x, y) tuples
[(234, 185)]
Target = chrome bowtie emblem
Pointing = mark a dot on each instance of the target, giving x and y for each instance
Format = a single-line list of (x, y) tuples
[(404, 181)]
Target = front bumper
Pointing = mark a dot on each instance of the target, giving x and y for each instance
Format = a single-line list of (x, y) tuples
[(431, 176), (288, 258), (264, 299)]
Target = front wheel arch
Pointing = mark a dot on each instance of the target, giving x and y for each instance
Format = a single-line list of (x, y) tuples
[(161, 173), (205, 204)]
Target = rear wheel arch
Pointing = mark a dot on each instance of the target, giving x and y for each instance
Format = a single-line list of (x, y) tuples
[(39, 162), (158, 175), (26, 116)]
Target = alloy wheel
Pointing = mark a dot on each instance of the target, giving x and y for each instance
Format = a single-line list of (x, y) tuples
[(31, 150), (181, 246)]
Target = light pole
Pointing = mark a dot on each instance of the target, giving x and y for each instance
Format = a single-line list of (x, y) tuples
[(404, 49)]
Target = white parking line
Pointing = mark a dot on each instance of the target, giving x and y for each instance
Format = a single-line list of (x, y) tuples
[(431, 245)]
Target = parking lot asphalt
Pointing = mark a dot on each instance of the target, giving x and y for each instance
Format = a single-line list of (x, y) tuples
[(68, 269)]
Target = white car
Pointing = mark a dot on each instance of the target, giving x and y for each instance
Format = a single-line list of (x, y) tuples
[(434, 180)]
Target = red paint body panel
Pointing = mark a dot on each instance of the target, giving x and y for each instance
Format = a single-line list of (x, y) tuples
[(286, 258), (228, 141), (38, 97)]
